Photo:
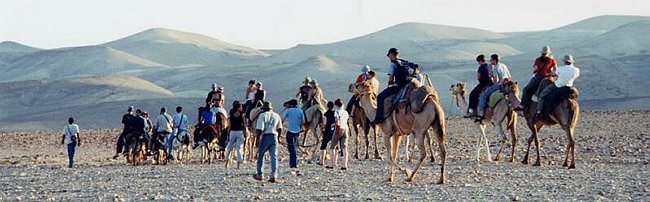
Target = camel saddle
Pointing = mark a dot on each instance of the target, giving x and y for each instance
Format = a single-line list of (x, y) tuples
[(411, 96), (494, 99), (555, 97)]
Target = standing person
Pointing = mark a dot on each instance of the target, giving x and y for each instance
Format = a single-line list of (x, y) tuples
[(566, 75), (484, 78), (363, 76), (71, 139), (148, 130), (340, 137), (500, 75), (236, 137), (163, 125), (543, 68), (327, 126), (295, 118), (269, 127), (303, 93), (179, 122), (127, 120), (398, 78)]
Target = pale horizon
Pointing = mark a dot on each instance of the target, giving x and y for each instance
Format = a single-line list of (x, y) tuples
[(280, 24)]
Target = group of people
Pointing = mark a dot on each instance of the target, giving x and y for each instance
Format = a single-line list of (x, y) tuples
[(164, 129), (491, 77)]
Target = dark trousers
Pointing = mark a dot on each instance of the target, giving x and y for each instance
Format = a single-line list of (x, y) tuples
[(121, 142), (292, 145), (382, 96), (71, 148), (473, 95), (530, 90), (353, 102), (327, 137)]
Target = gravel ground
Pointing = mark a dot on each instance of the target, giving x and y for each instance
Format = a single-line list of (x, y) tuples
[(612, 164)]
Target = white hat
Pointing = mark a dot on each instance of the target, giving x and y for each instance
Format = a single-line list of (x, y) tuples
[(546, 49), (365, 69), (568, 58)]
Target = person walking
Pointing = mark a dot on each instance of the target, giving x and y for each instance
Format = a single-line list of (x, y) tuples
[(340, 137), (294, 118), (236, 136), (179, 121), (71, 139), (127, 120), (163, 125), (327, 126), (269, 128)]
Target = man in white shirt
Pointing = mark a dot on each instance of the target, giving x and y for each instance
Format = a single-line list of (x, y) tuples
[(565, 76), (269, 127), (71, 140), (179, 130), (163, 126)]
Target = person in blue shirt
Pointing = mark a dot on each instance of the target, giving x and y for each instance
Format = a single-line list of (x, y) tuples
[(294, 117), (399, 77), (206, 118)]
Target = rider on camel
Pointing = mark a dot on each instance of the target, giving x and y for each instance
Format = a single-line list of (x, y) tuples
[(398, 78), (363, 76)]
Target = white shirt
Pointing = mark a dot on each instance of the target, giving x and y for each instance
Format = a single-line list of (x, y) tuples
[(220, 110), (341, 117), (180, 121), (566, 75), (501, 72), (69, 131), (269, 122), (163, 123), (375, 85)]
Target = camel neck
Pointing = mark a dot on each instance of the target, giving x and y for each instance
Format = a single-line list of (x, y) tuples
[(368, 107)]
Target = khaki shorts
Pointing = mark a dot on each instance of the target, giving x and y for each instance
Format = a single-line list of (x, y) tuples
[(342, 141)]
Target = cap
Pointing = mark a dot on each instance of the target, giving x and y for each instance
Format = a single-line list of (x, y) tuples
[(307, 79), (392, 50), (568, 58), (546, 50), (214, 85)]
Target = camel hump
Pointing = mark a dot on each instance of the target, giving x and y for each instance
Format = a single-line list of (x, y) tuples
[(556, 96), (419, 95)]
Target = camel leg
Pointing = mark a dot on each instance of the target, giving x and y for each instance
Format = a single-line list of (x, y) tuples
[(389, 156), (513, 136), (356, 141), (478, 143), (572, 143), (530, 141), (407, 148), (419, 140), (376, 134), (429, 143), (538, 162), (443, 155), (397, 140), (500, 131), (366, 133)]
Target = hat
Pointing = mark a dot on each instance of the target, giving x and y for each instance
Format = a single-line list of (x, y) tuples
[(546, 50), (365, 69), (307, 80), (392, 50), (220, 88), (568, 58), (267, 105), (214, 85)]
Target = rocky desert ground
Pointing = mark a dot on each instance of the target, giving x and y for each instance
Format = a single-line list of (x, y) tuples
[(612, 165)]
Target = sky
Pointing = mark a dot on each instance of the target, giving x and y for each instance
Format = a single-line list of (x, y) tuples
[(280, 24)]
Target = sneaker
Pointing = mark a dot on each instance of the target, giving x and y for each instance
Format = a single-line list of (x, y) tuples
[(115, 157), (257, 177), (344, 168), (272, 180)]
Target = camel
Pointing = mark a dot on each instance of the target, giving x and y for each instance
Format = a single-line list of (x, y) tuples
[(136, 149), (503, 110), (565, 114), (406, 122), (210, 147), (360, 123), (181, 146), (458, 94)]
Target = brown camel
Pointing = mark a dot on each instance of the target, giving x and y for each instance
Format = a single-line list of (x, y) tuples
[(360, 123), (406, 122), (565, 114), (504, 109)]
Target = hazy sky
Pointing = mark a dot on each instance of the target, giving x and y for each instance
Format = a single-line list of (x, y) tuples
[(281, 24)]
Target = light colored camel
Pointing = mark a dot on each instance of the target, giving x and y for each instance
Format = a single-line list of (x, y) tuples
[(361, 124), (458, 95), (404, 123), (566, 115), (503, 110)]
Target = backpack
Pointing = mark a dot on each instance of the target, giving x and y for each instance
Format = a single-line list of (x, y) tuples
[(412, 68)]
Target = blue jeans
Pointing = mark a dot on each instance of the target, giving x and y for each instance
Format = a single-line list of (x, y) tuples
[(169, 142), (292, 145), (484, 97), (71, 148), (268, 144), (381, 97)]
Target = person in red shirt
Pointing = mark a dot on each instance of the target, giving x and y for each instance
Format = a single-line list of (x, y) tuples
[(544, 67), (363, 76)]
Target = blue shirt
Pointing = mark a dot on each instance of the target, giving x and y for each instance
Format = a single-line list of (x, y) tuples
[(294, 117), (485, 71), (208, 116)]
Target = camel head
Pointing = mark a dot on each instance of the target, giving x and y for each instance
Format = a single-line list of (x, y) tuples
[(457, 88), (365, 89), (511, 91)]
